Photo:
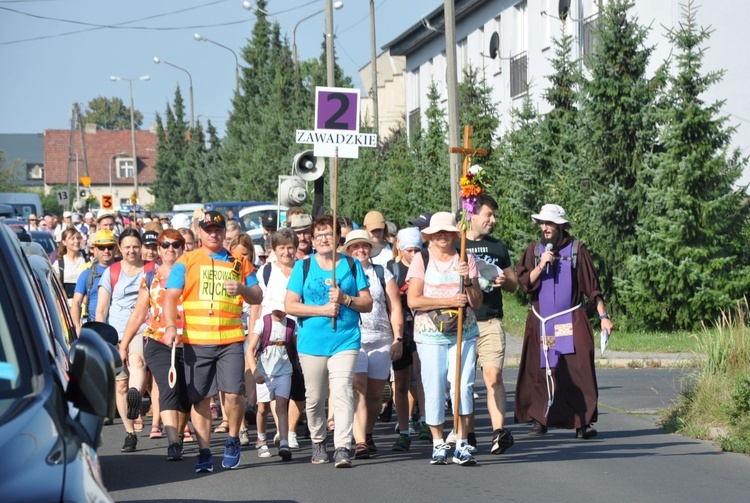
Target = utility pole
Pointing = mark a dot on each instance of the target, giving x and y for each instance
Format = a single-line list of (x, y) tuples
[(71, 148), (374, 65), (452, 71)]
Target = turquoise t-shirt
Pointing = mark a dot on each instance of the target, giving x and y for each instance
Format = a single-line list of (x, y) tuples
[(315, 336)]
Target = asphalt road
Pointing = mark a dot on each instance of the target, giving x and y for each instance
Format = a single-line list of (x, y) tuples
[(631, 460)]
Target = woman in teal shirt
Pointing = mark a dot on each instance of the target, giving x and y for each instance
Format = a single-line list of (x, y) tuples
[(328, 354)]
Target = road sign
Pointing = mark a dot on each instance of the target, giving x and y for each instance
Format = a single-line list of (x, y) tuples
[(86, 181), (336, 124), (108, 202), (62, 198)]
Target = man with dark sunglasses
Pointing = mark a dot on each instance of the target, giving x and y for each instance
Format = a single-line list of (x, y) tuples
[(87, 287)]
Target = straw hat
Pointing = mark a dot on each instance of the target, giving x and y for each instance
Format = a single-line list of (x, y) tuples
[(361, 236), (440, 221)]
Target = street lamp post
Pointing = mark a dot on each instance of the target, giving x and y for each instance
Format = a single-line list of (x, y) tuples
[(190, 77), (199, 38), (132, 130)]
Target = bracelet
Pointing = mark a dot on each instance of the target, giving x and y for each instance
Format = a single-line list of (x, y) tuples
[(170, 326), (604, 316), (540, 268), (399, 339), (349, 301)]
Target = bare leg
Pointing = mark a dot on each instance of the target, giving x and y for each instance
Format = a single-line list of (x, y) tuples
[(122, 405), (234, 412), (401, 399), (282, 417), (359, 427), (201, 417), (373, 396)]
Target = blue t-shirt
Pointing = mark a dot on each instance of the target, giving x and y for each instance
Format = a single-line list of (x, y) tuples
[(177, 275), (82, 283), (314, 334)]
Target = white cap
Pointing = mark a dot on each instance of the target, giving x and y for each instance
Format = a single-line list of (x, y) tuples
[(67, 214)]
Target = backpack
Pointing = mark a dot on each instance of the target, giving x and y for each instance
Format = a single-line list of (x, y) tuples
[(116, 268), (266, 274), (573, 255), (306, 270), (291, 348)]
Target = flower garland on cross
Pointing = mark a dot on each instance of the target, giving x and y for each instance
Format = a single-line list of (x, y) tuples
[(473, 184)]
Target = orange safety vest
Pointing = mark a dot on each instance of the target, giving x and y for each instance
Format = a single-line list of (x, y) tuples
[(212, 317)]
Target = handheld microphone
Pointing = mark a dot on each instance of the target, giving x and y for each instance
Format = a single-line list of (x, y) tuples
[(549, 248)]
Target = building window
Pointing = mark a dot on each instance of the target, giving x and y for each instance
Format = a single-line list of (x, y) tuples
[(414, 122), (518, 74), (590, 25), (546, 24), (125, 167), (34, 171), (462, 57)]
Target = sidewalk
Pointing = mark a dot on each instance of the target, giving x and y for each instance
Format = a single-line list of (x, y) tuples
[(611, 359)]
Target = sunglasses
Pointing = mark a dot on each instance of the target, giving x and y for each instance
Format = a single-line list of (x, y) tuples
[(102, 248), (174, 244), (33, 220)]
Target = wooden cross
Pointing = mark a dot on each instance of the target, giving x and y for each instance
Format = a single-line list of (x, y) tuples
[(467, 151)]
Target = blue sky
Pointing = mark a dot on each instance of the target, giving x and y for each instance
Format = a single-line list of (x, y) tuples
[(46, 67)]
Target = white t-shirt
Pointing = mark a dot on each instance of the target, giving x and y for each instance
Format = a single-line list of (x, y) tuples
[(376, 325), (72, 268), (274, 360), (275, 291), (385, 256)]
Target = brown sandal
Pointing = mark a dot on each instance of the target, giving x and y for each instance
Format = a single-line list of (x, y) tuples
[(222, 428)]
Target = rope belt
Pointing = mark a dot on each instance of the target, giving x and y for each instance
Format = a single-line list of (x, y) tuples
[(548, 373)]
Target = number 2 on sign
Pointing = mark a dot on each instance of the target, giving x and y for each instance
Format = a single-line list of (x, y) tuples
[(343, 100)]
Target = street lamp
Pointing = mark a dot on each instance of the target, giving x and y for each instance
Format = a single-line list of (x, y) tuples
[(190, 77), (336, 5), (132, 130), (199, 38)]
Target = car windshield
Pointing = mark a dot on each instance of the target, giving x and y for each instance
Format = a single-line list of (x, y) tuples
[(15, 368)]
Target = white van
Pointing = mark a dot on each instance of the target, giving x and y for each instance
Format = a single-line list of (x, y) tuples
[(25, 203), (187, 207)]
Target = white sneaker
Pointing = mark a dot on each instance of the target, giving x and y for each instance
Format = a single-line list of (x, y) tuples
[(293, 444)]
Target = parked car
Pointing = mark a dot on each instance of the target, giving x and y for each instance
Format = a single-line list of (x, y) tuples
[(235, 206), (250, 218), (53, 398), (47, 240)]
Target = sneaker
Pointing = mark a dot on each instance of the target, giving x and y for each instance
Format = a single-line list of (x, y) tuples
[(263, 450), (463, 457), (205, 463), (133, 399), (371, 446), (471, 439), (319, 454), (502, 440), (361, 451), (440, 454), (244, 438), (285, 453), (277, 439), (131, 440), (341, 458), (586, 432), (537, 429), (472, 450), (214, 411), (403, 443), (452, 438), (293, 444), (424, 432), (231, 454), (174, 452), (412, 430)]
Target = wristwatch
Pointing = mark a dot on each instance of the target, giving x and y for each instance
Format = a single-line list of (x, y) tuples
[(604, 316), (400, 339)]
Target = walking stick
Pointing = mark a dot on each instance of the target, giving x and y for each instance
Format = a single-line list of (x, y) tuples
[(334, 210)]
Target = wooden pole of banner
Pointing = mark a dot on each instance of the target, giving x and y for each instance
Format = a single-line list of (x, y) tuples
[(334, 211), (467, 151)]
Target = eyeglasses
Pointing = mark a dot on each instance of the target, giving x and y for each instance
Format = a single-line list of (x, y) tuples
[(174, 244), (33, 220), (164, 219), (102, 248), (326, 236)]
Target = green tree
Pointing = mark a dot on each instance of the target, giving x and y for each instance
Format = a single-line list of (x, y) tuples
[(616, 132), (691, 230), (110, 114), (172, 148), (430, 188), (7, 175)]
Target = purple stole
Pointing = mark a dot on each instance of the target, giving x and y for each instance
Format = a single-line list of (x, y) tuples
[(555, 296)]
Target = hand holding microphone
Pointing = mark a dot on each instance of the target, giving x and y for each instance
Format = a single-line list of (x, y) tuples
[(549, 249)]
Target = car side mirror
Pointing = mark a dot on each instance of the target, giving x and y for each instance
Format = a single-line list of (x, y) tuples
[(92, 375)]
